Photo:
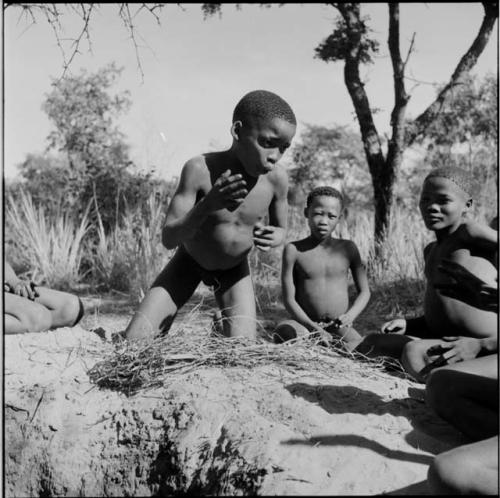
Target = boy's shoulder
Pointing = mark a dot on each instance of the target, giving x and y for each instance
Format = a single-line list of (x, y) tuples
[(340, 244)]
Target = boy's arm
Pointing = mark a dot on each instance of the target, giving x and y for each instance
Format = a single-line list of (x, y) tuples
[(185, 215), (474, 234), (288, 288), (361, 282), (274, 234)]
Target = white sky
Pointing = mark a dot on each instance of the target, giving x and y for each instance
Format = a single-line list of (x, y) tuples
[(195, 71)]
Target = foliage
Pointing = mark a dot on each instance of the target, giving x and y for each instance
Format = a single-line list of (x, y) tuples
[(465, 134), (52, 247), (330, 156), (338, 43)]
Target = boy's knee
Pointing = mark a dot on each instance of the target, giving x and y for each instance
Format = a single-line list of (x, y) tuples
[(449, 473), (70, 311)]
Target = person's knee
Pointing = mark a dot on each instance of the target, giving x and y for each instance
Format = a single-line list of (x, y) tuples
[(412, 359), (288, 330), (70, 311), (449, 473)]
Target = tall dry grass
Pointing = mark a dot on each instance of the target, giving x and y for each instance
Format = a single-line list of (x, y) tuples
[(51, 247), (130, 256)]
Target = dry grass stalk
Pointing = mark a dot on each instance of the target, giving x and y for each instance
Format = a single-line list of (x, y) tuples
[(138, 365)]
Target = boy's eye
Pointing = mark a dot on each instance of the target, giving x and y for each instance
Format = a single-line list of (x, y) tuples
[(331, 216)]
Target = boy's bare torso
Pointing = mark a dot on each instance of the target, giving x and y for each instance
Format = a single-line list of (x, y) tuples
[(320, 275), (225, 237), (449, 316)]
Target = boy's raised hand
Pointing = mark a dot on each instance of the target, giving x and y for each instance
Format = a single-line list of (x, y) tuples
[(266, 236), (396, 326), (228, 192)]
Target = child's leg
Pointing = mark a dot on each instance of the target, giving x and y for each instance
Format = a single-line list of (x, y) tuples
[(466, 395), (169, 292), (471, 469), (23, 315), (414, 357), (350, 336), (391, 345), (236, 299), (287, 330), (66, 309)]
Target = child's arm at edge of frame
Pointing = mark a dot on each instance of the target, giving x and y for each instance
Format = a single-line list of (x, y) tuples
[(288, 288)]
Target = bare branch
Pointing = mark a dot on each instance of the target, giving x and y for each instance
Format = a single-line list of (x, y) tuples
[(466, 63), (409, 51)]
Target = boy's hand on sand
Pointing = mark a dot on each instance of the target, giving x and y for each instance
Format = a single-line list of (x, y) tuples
[(465, 286), (228, 192), (397, 326), (266, 236), (456, 349)]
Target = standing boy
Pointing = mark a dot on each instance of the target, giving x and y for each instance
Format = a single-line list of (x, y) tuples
[(216, 216), (315, 275), (445, 200)]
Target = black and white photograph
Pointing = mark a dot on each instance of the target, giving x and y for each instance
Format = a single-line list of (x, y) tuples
[(250, 249)]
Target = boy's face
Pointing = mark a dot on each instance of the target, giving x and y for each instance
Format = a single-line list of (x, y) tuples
[(323, 215), (443, 203), (261, 143)]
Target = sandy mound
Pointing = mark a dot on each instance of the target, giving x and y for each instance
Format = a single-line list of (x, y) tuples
[(265, 430)]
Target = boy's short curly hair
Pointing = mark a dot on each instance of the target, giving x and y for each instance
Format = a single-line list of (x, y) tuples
[(459, 176), (324, 190), (263, 104)]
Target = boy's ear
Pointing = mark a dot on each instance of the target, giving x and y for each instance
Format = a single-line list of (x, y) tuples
[(468, 205), (235, 129)]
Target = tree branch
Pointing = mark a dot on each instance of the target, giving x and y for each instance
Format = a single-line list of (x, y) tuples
[(466, 63)]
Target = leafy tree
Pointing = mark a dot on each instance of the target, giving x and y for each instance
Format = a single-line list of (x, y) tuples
[(99, 169)]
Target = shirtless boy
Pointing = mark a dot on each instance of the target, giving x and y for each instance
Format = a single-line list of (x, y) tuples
[(448, 324), (315, 276), (217, 215), (31, 308)]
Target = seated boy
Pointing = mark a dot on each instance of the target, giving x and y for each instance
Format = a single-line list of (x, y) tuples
[(216, 216), (445, 199), (31, 308), (315, 276)]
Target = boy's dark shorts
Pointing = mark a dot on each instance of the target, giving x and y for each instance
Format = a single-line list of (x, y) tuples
[(417, 327), (182, 274)]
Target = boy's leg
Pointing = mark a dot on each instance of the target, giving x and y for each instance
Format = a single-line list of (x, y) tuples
[(471, 469), (466, 396), (287, 330), (414, 357), (66, 309), (392, 345), (169, 292), (236, 299), (23, 315)]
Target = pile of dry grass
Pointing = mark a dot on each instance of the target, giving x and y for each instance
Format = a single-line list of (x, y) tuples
[(137, 365)]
